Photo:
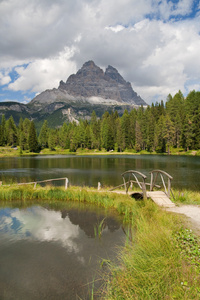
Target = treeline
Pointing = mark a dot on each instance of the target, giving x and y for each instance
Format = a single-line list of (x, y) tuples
[(159, 127)]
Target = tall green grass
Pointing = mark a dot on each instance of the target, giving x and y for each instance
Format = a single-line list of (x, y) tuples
[(185, 196), (153, 266), (26, 193)]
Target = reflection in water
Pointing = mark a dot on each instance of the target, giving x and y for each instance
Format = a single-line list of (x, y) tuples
[(52, 254), (39, 224), (89, 170)]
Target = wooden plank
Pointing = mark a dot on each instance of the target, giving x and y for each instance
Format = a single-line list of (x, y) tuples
[(160, 198)]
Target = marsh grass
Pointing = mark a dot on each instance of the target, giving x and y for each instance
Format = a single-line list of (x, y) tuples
[(152, 267), (99, 227), (121, 203), (186, 197)]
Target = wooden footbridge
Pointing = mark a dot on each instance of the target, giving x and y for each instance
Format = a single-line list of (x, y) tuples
[(160, 197), (131, 177)]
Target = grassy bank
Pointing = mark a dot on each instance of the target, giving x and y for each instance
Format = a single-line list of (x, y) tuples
[(8, 151), (160, 261), (186, 197)]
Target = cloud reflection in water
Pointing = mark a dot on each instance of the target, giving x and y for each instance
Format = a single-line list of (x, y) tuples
[(38, 223)]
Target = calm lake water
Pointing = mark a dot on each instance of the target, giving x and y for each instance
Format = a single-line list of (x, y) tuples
[(48, 253), (52, 253), (89, 170)]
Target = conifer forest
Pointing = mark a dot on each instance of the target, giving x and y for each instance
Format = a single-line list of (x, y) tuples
[(157, 128)]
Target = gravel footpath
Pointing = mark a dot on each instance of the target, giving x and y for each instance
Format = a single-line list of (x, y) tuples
[(193, 215)]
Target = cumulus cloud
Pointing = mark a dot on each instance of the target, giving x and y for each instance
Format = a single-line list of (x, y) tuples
[(42, 74), (40, 224), (152, 43), (4, 79)]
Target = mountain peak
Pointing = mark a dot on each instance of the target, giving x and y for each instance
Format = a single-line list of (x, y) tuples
[(89, 63), (114, 74), (91, 81)]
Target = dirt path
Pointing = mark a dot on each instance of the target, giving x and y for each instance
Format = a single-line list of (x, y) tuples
[(193, 215)]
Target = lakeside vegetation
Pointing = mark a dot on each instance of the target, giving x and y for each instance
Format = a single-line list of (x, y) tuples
[(8, 151), (173, 127), (161, 257)]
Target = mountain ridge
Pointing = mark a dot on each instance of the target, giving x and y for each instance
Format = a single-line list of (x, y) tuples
[(89, 89)]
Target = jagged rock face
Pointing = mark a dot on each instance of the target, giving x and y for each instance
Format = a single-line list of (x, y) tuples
[(91, 81)]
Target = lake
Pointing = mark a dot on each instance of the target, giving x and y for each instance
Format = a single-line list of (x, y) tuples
[(89, 170), (53, 252)]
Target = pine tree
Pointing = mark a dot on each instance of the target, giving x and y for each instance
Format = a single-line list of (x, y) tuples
[(95, 132), (159, 138), (125, 127), (133, 115), (175, 110), (52, 139), (3, 131), (44, 135), (192, 107), (23, 141), (107, 135), (169, 131), (138, 137), (26, 127), (11, 132), (32, 138)]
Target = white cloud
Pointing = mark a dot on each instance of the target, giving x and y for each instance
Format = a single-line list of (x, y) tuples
[(43, 74), (42, 225), (4, 79), (158, 55), (116, 28)]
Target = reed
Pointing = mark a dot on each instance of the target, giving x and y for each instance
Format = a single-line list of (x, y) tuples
[(98, 228), (153, 266), (184, 196)]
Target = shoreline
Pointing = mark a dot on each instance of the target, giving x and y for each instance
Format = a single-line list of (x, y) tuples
[(13, 152)]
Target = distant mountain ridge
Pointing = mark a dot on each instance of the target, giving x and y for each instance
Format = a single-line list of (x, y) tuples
[(89, 89), (91, 81), (91, 84)]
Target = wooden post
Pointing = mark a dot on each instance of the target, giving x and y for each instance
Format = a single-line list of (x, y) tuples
[(35, 185), (0, 183), (151, 183), (169, 187), (66, 183), (144, 190), (99, 186)]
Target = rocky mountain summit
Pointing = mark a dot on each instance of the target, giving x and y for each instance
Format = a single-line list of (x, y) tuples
[(89, 89), (92, 85), (91, 81)]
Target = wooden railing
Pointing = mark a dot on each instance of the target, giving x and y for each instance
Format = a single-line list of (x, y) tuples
[(154, 177), (134, 177), (135, 174), (47, 180)]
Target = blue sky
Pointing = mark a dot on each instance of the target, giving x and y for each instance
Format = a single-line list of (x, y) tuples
[(154, 44)]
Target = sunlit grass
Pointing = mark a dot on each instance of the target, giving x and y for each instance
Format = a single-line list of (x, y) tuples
[(186, 197), (152, 266), (7, 151)]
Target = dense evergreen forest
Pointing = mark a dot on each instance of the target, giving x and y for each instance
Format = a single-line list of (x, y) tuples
[(159, 127)]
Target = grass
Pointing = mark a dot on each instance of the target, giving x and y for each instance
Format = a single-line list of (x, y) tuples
[(98, 228), (8, 151), (186, 197), (160, 259), (155, 265)]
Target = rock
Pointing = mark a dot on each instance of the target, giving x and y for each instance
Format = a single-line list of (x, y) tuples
[(91, 81)]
